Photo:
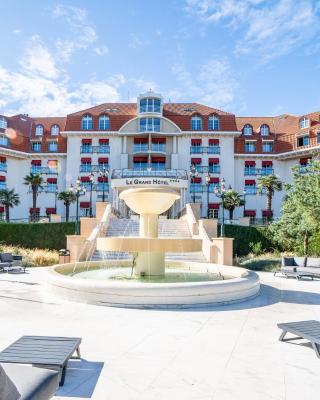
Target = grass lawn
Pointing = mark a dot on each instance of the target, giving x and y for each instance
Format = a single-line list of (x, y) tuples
[(264, 262)]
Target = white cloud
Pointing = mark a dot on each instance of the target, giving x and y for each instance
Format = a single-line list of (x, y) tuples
[(102, 50), (16, 31), (136, 42), (271, 29), (143, 85)]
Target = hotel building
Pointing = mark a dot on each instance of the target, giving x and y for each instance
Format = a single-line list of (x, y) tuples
[(137, 139)]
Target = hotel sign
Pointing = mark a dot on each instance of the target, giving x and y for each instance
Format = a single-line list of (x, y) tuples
[(149, 181)]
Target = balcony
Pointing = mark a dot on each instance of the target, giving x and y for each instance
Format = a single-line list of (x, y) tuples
[(3, 167), (149, 172), (100, 187), (199, 188), (258, 171), (212, 169), (140, 148), (205, 149), (158, 147), (37, 169), (144, 148), (3, 185), (95, 149), (93, 168)]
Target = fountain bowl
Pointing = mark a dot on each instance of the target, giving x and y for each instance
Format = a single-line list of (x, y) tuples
[(240, 285)]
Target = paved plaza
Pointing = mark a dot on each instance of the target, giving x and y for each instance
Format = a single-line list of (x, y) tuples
[(224, 353)]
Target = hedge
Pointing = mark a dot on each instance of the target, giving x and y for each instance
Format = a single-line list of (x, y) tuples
[(244, 235), (39, 235)]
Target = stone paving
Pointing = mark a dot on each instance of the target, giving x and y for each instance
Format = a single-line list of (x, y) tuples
[(219, 353)]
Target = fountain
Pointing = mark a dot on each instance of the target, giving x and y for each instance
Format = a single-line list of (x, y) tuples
[(149, 281)]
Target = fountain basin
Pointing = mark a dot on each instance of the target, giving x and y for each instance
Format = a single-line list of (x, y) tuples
[(241, 285)]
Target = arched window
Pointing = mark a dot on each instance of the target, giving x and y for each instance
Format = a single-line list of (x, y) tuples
[(55, 129), (39, 130), (214, 123), (3, 123), (87, 122), (304, 122), (264, 130), (104, 123), (247, 130), (196, 123)]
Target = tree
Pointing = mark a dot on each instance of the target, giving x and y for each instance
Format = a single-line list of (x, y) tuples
[(232, 199), (9, 198), (68, 198), (300, 214), (270, 183), (35, 181)]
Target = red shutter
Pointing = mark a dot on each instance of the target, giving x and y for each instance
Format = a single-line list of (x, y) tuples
[(197, 179), (3, 159), (196, 142), (267, 163), (85, 179), (267, 213), (103, 141), (214, 206), (52, 180), (195, 160), (213, 142), (214, 180), (305, 160), (140, 159), (37, 210), (36, 162), (86, 141), (250, 182), (250, 163), (250, 213), (213, 160), (158, 140), (101, 179), (85, 204), (140, 140), (2, 178), (86, 160), (1, 209), (103, 160), (50, 210), (158, 159)]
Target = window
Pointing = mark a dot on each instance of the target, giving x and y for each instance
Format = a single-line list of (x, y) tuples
[(4, 141), (196, 123), (318, 138), (250, 168), (36, 147), (87, 122), (304, 123), (214, 123), (303, 141), (104, 122), (247, 130), (39, 130), (53, 146), (267, 147), (55, 129), (213, 213), (250, 147), (149, 124), (150, 105), (264, 130), (3, 123), (250, 186)]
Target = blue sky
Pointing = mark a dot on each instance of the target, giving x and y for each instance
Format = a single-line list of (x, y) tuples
[(249, 57)]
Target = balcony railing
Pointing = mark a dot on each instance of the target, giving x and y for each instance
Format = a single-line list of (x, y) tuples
[(95, 149), (212, 169), (205, 149), (37, 169), (3, 185), (3, 167), (93, 168), (140, 148), (149, 172), (158, 147), (258, 171), (199, 188)]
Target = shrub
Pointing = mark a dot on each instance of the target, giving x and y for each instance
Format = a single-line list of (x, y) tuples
[(32, 257), (256, 248)]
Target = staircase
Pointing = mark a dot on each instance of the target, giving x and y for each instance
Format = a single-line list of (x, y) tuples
[(177, 228)]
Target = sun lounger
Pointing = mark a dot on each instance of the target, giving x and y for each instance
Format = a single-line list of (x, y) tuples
[(309, 330), (43, 351), (298, 267), (10, 263)]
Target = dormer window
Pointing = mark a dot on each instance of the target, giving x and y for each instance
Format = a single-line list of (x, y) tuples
[(196, 123), (149, 125), (39, 130), (214, 123), (264, 130), (104, 123), (3, 123), (86, 123), (55, 130), (150, 104), (304, 123), (247, 130)]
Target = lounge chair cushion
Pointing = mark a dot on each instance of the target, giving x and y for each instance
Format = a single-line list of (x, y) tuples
[(8, 390), (33, 383), (288, 262), (6, 257), (313, 262)]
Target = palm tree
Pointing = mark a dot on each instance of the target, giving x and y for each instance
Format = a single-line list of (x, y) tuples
[(67, 197), (232, 199), (35, 181), (9, 198), (270, 183)]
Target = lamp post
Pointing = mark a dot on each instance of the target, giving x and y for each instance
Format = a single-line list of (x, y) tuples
[(220, 192), (244, 202), (103, 174), (78, 190), (55, 199), (208, 181), (91, 177), (193, 174)]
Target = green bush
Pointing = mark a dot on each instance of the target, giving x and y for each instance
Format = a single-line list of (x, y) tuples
[(246, 237), (42, 236)]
